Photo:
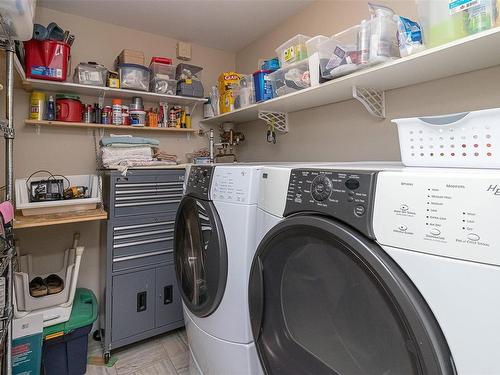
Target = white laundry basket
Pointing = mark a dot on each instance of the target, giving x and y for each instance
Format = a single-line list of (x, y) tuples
[(52, 306), (468, 140)]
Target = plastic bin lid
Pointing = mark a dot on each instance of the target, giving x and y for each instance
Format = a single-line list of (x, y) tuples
[(83, 313), (161, 60), (136, 66), (68, 96), (263, 71)]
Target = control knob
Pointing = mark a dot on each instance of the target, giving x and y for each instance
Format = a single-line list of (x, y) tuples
[(321, 188)]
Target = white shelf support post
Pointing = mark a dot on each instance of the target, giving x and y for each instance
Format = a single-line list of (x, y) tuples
[(372, 100), (276, 120)]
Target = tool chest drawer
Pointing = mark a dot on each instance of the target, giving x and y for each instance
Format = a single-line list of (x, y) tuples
[(141, 241), (145, 193)]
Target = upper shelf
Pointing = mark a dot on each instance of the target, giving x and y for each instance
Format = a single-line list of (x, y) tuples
[(475, 52), (30, 84)]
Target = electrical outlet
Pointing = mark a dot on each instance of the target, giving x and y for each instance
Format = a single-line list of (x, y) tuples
[(183, 51)]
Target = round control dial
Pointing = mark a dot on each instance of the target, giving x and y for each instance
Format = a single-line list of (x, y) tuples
[(321, 188)]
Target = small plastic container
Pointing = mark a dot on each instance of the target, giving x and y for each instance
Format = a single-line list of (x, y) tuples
[(339, 55), (162, 67), (263, 86), (187, 71), (65, 345), (469, 139), (161, 84), (384, 45), (291, 78), (441, 24), (90, 74), (134, 77), (293, 50), (312, 46)]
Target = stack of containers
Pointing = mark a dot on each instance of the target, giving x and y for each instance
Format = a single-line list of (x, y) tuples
[(162, 76), (294, 73), (262, 83)]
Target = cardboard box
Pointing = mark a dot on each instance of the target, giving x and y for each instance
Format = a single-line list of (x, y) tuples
[(229, 84), (130, 56), (27, 335)]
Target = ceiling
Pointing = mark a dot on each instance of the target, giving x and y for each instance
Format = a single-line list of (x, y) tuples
[(228, 25)]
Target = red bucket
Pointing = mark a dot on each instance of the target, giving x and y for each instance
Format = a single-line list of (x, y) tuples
[(47, 59)]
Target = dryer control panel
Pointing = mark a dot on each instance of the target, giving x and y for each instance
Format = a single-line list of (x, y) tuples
[(199, 181), (342, 194), (444, 212)]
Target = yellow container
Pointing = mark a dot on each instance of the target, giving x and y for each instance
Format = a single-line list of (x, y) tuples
[(37, 105), (229, 84)]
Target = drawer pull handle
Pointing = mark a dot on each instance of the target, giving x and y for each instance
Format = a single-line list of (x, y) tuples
[(142, 234), (118, 205), (142, 301), (168, 294), (143, 242), (147, 197), (139, 191), (150, 184), (139, 256), (126, 227)]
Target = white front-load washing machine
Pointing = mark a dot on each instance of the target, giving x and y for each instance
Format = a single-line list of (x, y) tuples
[(379, 272), (214, 246)]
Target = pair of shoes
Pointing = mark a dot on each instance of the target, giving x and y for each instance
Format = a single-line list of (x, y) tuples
[(52, 284)]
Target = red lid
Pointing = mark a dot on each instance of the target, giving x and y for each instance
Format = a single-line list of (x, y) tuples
[(161, 60)]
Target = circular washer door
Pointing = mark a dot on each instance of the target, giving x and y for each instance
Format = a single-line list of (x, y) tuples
[(324, 299), (200, 256)]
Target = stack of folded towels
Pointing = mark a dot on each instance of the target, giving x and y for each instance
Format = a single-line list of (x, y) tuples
[(132, 151)]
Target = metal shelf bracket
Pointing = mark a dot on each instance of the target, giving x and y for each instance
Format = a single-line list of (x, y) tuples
[(372, 100), (276, 120)]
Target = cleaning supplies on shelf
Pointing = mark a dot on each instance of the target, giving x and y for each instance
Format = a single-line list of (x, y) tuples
[(263, 85), (229, 83), (51, 109), (37, 105)]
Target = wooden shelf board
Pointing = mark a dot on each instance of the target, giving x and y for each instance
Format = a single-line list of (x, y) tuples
[(465, 55), (21, 221), (55, 124)]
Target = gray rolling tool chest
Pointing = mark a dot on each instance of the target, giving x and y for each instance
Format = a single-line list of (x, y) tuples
[(141, 295)]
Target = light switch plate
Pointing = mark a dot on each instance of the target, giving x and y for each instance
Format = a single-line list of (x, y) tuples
[(183, 51)]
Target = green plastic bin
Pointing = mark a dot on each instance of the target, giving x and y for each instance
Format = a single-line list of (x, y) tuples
[(65, 345)]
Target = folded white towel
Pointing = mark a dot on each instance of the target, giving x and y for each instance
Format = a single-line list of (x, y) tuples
[(118, 155)]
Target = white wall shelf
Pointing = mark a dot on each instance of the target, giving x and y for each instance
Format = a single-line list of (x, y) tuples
[(469, 54)]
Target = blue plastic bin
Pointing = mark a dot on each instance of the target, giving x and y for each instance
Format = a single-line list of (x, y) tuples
[(263, 87)]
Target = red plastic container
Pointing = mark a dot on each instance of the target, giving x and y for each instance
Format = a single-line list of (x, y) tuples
[(69, 110), (47, 59), (161, 60)]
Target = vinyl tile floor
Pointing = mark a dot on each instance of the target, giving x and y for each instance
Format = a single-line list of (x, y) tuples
[(167, 354)]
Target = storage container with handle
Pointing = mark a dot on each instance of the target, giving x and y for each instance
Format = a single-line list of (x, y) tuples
[(468, 140)]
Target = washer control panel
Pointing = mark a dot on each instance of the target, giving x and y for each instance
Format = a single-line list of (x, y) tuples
[(341, 194), (442, 212), (233, 184), (199, 181)]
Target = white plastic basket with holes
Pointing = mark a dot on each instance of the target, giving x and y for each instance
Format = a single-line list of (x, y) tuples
[(468, 140)]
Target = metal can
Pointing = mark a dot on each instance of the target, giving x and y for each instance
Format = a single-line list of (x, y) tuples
[(125, 115), (97, 113), (106, 115), (88, 114)]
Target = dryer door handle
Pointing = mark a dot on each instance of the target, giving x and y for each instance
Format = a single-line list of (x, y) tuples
[(256, 297)]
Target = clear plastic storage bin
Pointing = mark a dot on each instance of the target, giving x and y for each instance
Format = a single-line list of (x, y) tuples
[(312, 46), (90, 74), (293, 50), (160, 84), (291, 78), (339, 55), (165, 71), (134, 77), (467, 139)]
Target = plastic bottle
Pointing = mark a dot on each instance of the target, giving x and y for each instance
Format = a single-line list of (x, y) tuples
[(188, 118), (37, 105), (117, 112), (51, 109)]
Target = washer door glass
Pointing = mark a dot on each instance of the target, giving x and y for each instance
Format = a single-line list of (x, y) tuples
[(200, 256), (322, 301)]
